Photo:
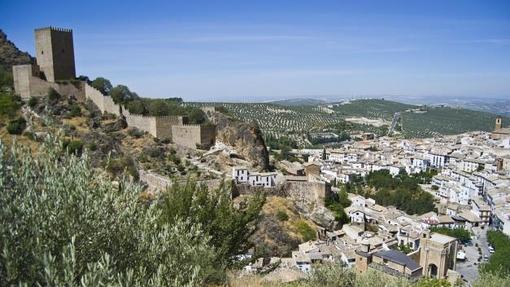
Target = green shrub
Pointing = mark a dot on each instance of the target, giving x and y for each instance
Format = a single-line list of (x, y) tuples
[(460, 233), (17, 126), (29, 135), (75, 110), (134, 132), (103, 85), (306, 231), (499, 262), (32, 102), (53, 95), (228, 227), (282, 215), (73, 147), (64, 224), (5, 77), (91, 146), (336, 203), (120, 165), (9, 105)]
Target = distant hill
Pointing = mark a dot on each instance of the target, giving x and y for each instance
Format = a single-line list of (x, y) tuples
[(299, 102), (373, 108), (501, 107), (298, 121)]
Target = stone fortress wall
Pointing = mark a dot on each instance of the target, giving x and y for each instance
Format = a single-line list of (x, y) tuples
[(104, 103), (194, 136), (55, 69), (27, 84), (175, 128)]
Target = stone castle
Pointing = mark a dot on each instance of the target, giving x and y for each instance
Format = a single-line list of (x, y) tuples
[(55, 69)]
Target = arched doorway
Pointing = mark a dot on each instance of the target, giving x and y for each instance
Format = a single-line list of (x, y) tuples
[(432, 270)]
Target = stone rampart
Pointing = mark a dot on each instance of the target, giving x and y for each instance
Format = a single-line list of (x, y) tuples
[(194, 136), (157, 183), (104, 103), (163, 125), (27, 84), (308, 192), (144, 123)]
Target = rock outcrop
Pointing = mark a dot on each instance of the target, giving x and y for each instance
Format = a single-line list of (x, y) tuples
[(10, 55), (246, 138)]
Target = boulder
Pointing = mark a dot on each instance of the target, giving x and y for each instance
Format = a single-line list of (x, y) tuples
[(245, 138), (323, 217)]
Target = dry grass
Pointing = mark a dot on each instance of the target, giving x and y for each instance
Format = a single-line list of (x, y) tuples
[(8, 139), (80, 123)]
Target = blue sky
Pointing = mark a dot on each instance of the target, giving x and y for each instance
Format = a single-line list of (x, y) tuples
[(262, 50)]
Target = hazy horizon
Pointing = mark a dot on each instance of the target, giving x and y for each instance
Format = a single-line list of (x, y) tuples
[(263, 51)]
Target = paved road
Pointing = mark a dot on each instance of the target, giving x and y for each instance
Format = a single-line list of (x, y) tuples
[(469, 268)]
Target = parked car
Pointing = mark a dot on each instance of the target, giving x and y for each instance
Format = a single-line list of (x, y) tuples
[(491, 249), (461, 255)]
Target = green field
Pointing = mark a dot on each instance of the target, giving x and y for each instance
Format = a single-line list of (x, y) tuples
[(296, 122)]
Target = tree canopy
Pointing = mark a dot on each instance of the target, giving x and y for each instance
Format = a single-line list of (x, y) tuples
[(103, 85), (402, 191), (65, 224), (499, 261)]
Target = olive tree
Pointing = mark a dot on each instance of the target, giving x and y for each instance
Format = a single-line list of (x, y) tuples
[(62, 223)]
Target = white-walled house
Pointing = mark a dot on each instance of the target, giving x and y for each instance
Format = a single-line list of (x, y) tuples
[(438, 160), (267, 179), (243, 175), (240, 174)]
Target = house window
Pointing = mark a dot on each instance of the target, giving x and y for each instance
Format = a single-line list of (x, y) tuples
[(42, 52)]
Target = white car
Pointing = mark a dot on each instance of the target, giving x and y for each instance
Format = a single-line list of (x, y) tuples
[(461, 255), (491, 249)]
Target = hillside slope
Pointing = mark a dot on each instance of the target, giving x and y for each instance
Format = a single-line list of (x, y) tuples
[(10, 54), (367, 115)]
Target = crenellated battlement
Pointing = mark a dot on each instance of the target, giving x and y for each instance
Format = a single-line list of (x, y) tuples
[(57, 29)]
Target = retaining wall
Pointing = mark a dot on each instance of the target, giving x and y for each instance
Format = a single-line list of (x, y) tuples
[(157, 183)]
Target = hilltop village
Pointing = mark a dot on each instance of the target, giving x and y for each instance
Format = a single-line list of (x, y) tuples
[(376, 203), (470, 185)]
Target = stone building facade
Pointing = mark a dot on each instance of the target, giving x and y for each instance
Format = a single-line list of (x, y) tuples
[(438, 254), (435, 258)]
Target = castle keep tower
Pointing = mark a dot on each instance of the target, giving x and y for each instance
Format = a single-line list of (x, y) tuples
[(499, 123), (55, 53)]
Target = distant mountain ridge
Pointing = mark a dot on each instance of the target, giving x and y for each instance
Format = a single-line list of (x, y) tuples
[(299, 102)]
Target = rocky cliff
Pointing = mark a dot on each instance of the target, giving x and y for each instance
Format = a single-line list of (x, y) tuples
[(246, 138), (10, 55)]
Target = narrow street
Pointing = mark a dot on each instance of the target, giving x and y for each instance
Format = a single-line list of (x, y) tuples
[(469, 268)]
